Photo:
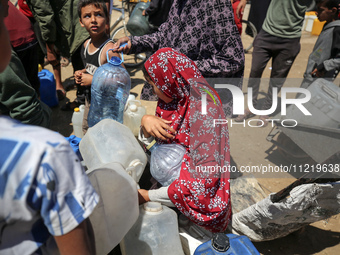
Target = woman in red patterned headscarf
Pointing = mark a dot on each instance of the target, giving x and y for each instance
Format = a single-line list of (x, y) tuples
[(202, 190)]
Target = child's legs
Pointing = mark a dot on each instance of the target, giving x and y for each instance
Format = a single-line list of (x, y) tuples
[(85, 125)]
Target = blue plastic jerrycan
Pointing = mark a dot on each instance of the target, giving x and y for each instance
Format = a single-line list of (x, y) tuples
[(227, 244), (48, 92), (74, 143)]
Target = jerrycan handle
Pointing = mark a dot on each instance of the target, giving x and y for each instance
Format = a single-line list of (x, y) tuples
[(115, 60)]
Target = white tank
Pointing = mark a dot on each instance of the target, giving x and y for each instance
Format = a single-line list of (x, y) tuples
[(117, 209), (134, 111), (155, 232), (110, 141), (77, 120)]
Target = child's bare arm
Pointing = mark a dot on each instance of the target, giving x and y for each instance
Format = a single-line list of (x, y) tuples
[(107, 47)]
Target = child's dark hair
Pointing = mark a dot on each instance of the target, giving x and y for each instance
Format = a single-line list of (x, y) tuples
[(146, 74), (97, 3), (330, 4)]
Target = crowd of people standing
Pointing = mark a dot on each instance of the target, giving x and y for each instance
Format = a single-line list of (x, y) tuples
[(198, 45)]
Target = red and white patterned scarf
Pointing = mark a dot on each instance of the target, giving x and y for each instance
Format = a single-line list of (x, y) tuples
[(203, 197)]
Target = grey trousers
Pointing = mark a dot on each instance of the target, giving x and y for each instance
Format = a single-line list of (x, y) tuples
[(283, 52)]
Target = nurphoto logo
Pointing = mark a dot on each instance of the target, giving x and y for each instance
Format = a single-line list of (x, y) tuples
[(239, 101)]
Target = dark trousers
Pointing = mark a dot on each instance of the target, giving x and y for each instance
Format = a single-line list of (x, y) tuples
[(29, 59), (283, 52)]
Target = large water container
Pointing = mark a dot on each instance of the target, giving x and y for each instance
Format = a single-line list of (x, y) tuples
[(109, 141), (155, 232), (48, 92), (77, 121), (117, 209), (134, 111), (227, 244), (138, 24), (166, 161), (110, 89)]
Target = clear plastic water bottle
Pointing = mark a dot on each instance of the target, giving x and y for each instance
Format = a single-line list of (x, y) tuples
[(110, 89), (166, 161)]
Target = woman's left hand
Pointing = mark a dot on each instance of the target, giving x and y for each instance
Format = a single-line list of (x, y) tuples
[(157, 127)]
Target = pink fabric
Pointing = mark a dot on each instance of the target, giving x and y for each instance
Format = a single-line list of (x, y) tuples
[(19, 27), (202, 197)]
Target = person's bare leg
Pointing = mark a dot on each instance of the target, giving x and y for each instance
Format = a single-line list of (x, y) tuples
[(57, 74)]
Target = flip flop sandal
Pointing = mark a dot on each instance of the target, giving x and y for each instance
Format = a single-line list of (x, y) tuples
[(61, 94), (263, 122), (247, 114)]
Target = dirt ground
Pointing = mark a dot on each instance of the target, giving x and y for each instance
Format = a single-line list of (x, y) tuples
[(248, 147)]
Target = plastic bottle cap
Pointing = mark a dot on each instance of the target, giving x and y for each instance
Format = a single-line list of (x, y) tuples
[(150, 145), (153, 207), (131, 97), (133, 108), (76, 109), (220, 242)]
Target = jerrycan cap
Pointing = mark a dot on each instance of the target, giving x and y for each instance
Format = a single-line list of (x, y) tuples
[(153, 207), (76, 109), (220, 242), (133, 108)]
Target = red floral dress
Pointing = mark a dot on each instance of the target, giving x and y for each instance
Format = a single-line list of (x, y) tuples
[(201, 193)]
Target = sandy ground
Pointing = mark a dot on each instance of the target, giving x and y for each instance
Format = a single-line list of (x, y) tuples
[(248, 147)]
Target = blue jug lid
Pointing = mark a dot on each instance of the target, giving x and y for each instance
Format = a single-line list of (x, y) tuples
[(115, 60), (220, 242)]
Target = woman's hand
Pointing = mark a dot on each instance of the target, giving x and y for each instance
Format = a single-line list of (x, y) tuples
[(157, 127), (240, 8), (121, 41)]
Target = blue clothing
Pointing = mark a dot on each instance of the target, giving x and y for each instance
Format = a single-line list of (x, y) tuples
[(44, 190)]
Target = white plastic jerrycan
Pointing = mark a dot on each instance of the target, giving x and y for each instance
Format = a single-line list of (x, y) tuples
[(117, 209), (110, 141), (77, 121), (155, 232), (134, 111)]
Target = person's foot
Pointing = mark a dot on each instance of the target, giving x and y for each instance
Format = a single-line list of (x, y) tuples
[(247, 114), (64, 61), (263, 121), (61, 93)]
